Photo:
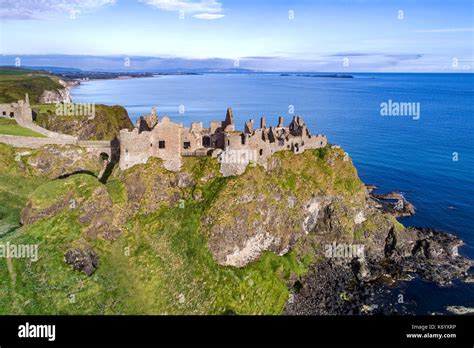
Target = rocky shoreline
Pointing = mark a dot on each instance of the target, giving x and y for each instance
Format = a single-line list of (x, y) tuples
[(365, 285), (391, 202), (344, 251)]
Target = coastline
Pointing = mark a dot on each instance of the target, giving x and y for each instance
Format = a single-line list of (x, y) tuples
[(370, 285), (392, 186)]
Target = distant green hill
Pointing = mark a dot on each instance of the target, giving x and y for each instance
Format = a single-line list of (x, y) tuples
[(10, 70), (16, 82)]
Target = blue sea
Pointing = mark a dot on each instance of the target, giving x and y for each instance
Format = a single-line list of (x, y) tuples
[(429, 158)]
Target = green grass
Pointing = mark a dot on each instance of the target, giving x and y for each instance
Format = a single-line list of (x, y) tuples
[(168, 261), (13, 87), (161, 263), (7, 70), (15, 189), (14, 194), (44, 108), (105, 125), (10, 127), (116, 190)]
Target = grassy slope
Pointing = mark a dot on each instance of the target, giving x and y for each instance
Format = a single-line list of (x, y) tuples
[(169, 268), (160, 264), (16, 186), (14, 83), (8, 70), (10, 127), (106, 124)]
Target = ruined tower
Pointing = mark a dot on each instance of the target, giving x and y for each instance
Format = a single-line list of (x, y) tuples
[(249, 126), (280, 122), (229, 121)]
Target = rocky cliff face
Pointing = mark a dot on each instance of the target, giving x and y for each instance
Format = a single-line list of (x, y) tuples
[(54, 161), (304, 236), (317, 191), (362, 285), (55, 96), (60, 95)]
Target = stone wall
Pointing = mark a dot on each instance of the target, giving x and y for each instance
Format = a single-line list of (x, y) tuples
[(23, 115), (47, 133), (134, 148), (163, 141), (170, 141), (258, 145), (166, 143), (99, 147), (8, 110), (32, 142), (95, 147), (191, 140), (18, 111)]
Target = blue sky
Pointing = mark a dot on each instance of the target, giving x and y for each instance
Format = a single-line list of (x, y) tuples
[(330, 35)]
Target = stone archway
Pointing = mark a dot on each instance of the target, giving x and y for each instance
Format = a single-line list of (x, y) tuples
[(206, 141), (104, 157), (107, 167)]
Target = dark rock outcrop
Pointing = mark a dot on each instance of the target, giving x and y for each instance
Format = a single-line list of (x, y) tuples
[(393, 203), (359, 285), (82, 260)]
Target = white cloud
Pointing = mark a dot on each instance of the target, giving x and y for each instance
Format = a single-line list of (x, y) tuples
[(188, 6), (208, 16), (48, 9), (446, 30)]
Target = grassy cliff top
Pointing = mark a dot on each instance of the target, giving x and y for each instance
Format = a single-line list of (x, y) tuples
[(105, 124), (159, 259), (11, 127), (16, 82)]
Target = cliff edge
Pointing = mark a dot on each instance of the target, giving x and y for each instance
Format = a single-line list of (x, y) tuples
[(303, 236)]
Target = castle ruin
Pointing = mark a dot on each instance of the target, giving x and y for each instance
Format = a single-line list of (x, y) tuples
[(20, 110), (170, 141)]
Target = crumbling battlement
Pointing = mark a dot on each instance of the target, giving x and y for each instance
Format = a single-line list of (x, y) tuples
[(170, 141)]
